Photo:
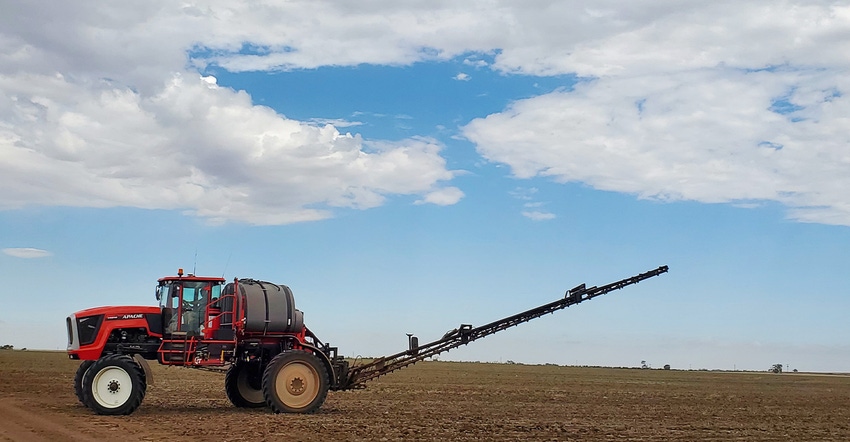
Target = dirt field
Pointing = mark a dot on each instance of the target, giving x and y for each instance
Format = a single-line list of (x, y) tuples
[(444, 401)]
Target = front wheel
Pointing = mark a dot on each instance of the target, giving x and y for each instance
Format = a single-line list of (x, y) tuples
[(295, 382), (114, 385)]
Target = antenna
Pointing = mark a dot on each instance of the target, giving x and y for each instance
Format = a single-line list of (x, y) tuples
[(195, 264), (227, 263)]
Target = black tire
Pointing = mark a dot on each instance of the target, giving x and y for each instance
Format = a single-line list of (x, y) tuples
[(243, 384), (295, 382), (114, 385), (78, 380)]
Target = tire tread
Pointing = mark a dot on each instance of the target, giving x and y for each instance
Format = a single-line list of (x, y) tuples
[(78, 380), (231, 387)]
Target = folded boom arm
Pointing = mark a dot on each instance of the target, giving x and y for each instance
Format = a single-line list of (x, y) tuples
[(358, 375)]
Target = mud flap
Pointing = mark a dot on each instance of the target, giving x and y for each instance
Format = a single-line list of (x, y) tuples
[(145, 367)]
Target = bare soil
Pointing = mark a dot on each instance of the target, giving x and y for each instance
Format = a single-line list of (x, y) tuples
[(443, 401)]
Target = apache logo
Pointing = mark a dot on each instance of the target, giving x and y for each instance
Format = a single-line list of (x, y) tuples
[(127, 316)]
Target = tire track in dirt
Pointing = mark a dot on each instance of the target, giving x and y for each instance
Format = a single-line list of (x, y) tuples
[(20, 424)]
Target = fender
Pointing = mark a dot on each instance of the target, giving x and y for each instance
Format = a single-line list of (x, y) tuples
[(145, 367), (324, 358), (321, 355)]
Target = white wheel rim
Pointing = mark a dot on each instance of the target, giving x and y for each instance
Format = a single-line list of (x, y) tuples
[(112, 387)]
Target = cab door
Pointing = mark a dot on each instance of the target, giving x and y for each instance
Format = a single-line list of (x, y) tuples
[(169, 296)]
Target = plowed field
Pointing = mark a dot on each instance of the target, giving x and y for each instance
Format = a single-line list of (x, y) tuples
[(444, 401)]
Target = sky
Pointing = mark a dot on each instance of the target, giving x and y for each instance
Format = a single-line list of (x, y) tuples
[(406, 167)]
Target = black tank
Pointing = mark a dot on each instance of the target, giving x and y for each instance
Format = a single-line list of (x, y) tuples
[(269, 307)]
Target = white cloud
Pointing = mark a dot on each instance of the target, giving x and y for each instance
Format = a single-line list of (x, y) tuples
[(97, 110), (591, 38), (588, 37), (443, 197), (26, 252), (336, 122), (707, 136), (462, 77), (538, 216), (196, 147), (475, 62), (524, 193)]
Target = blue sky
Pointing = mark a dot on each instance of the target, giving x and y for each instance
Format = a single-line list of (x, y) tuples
[(407, 168)]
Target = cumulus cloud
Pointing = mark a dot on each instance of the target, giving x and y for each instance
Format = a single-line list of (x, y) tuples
[(97, 110), (443, 197), (587, 37), (26, 252), (462, 77), (719, 135), (196, 147), (687, 103)]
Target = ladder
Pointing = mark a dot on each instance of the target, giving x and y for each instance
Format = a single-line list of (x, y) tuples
[(179, 350)]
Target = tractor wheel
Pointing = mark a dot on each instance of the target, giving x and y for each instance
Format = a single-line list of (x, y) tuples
[(243, 384), (114, 385), (295, 382), (78, 380)]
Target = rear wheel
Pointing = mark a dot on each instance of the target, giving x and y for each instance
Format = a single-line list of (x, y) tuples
[(243, 384), (295, 382), (114, 385), (78, 380)]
